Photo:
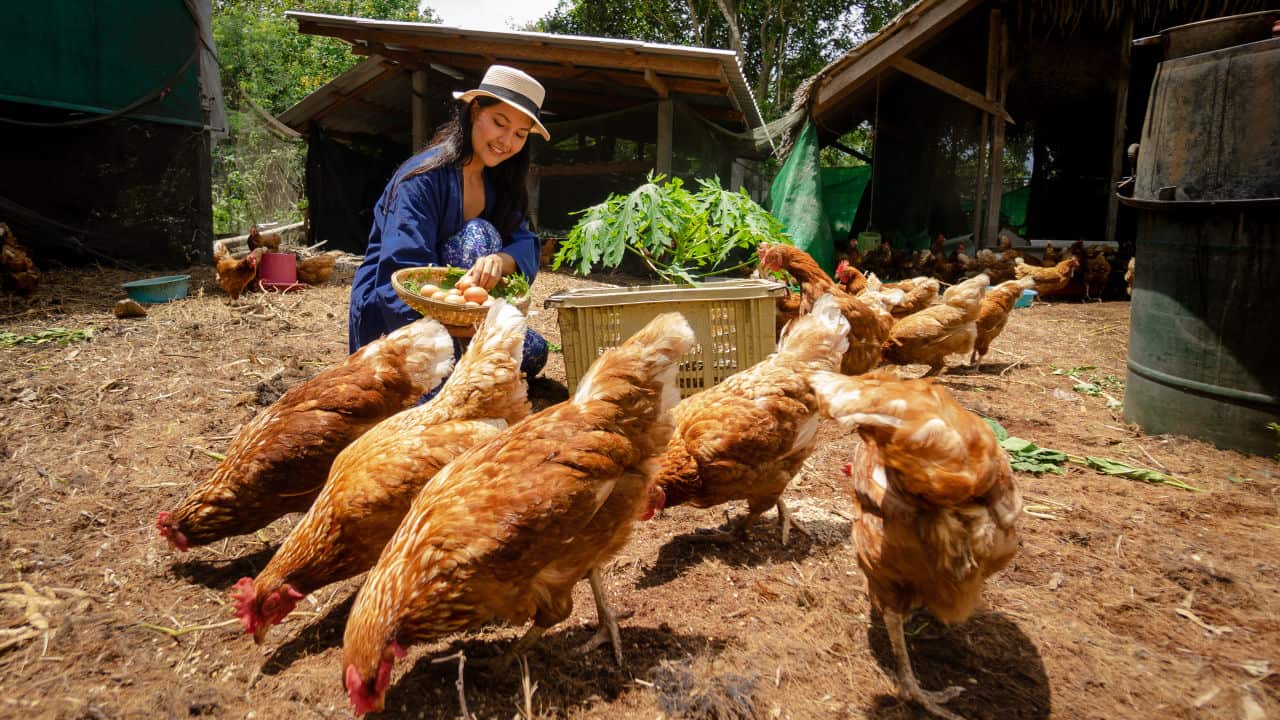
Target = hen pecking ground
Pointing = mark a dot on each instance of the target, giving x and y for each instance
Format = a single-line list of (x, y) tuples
[(1126, 599)]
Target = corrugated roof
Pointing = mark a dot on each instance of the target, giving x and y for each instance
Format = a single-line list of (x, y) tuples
[(575, 69)]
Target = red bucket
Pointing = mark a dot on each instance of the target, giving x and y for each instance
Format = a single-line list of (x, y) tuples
[(278, 269)]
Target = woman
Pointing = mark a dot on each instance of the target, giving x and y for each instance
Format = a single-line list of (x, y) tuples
[(461, 202)]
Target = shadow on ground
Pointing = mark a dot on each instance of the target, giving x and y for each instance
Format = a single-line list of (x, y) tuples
[(989, 655)]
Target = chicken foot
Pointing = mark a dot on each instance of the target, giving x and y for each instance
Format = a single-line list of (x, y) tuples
[(607, 621), (908, 687), (742, 526)]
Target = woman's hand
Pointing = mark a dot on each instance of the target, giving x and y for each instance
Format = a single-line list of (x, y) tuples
[(488, 270)]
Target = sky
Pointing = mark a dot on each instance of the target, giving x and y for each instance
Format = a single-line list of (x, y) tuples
[(489, 14)]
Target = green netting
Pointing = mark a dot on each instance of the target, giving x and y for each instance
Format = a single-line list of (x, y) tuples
[(842, 190), (1013, 208), (796, 200)]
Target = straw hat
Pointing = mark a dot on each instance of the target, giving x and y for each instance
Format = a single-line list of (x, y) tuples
[(515, 88)]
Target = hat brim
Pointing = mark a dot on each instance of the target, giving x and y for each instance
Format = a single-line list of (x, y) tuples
[(537, 126)]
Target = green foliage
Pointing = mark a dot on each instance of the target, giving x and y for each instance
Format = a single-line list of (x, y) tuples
[(680, 235), (1275, 427), (1092, 385), (62, 336), (1026, 456), (258, 176)]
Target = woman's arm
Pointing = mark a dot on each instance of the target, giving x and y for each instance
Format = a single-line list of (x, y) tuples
[(409, 239), (525, 249)]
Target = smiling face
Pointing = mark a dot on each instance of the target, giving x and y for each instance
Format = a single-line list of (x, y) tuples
[(498, 132)]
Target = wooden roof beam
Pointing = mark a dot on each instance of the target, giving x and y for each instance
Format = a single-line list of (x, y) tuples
[(652, 80), (693, 67), (951, 87), (873, 56)]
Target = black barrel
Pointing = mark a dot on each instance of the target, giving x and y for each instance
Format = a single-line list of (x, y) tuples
[(1204, 343)]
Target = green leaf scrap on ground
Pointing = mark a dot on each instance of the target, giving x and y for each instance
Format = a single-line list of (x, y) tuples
[(1026, 456), (62, 336), (1093, 385)]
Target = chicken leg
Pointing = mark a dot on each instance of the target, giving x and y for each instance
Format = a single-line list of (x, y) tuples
[(742, 526), (908, 687), (605, 619)]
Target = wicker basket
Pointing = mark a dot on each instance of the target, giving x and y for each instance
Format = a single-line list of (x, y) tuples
[(733, 320), (446, 313)]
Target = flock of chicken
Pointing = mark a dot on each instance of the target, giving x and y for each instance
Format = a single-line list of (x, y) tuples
[(1094, 263), (909, 322), (235, 275), (468, 509)]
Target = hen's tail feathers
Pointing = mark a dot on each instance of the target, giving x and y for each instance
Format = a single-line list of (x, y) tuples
[(427, 349), (823, 333), (854, 401), (487, 378), (649, 357), (941, 451), (502, 331)]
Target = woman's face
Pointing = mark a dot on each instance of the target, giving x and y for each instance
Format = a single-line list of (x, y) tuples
[(498, 132)]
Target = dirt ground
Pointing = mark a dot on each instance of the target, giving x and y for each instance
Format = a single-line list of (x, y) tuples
[(1126, 600)]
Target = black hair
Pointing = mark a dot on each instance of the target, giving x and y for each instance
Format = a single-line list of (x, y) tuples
[(453, 139)]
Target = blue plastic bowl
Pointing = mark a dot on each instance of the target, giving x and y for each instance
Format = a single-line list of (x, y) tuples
[(1025, 300), (158, 289)]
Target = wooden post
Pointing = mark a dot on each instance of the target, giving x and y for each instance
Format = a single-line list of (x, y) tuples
[(1118, 128), (666, 126), (996, 189), (979, 193), (421, 119), (737, 174)]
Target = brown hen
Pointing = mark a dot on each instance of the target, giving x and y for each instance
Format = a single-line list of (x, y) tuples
[(374, 480), (937, 331), (270, 242), (235, 274), (278, 462), (18, 272), (867, 330), (993, 313), (317, 269), (1049, 280), (506, 530), (745, 438), (935, 504)]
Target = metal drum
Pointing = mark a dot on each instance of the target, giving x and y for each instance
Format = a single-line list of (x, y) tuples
[(1204, 343)]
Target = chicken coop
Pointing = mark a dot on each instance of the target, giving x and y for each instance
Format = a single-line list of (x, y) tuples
[(986, 116), (107, 114), (617, 110), (732, 319)]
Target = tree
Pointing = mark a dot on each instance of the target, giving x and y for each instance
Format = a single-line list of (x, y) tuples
[(779, 43), (257, 176)]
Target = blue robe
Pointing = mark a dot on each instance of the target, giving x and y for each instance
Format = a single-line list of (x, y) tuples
[(409, 229)]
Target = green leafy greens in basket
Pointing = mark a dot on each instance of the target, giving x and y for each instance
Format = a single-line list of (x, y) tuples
[(680, 235)]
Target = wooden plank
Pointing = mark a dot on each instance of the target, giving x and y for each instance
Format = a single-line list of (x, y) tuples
[(659, 86), (865, 62), (666, 129), (356, 93), (421, 115), (997, 134), (1118, 129), (950, 87), (512, 50)]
